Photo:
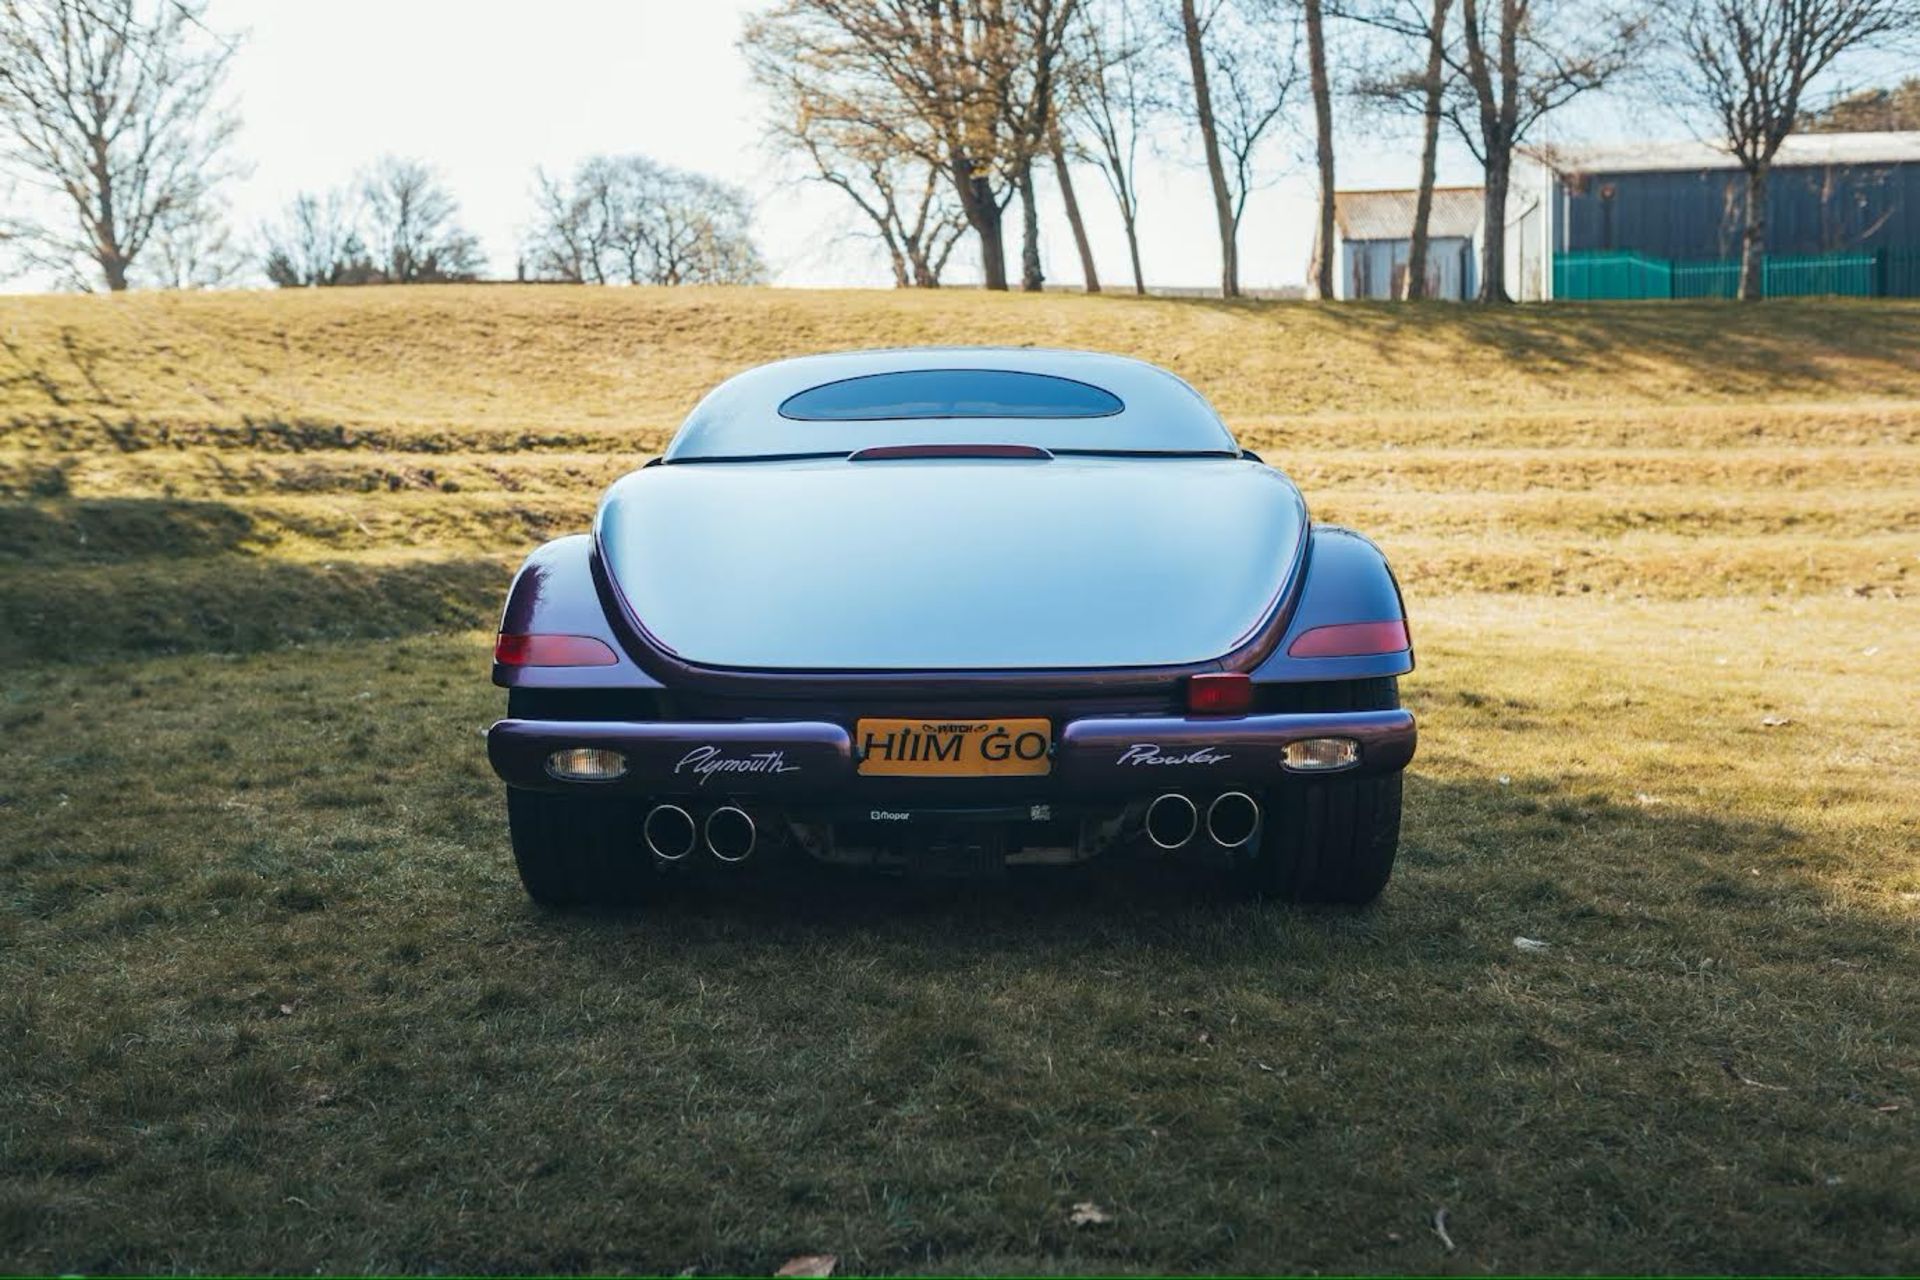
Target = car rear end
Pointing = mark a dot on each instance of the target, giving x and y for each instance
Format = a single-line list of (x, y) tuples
[(989, 616)]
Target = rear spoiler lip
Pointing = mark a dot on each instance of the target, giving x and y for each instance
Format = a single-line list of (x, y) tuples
[(835, 455)]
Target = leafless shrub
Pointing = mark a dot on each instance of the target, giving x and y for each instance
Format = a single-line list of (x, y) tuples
[(630, 220)]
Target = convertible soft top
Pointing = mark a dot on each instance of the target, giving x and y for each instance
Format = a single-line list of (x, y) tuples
[(1069, 402)]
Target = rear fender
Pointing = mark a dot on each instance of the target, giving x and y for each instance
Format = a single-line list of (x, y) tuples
[(554, 594), (1347, 580)]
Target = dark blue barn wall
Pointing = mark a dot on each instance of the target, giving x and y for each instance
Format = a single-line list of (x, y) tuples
[(1697, 214)]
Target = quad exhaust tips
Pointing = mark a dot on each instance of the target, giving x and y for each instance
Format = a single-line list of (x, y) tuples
[(730, 834), (1171, 820), (669, 832), (1232, 819)]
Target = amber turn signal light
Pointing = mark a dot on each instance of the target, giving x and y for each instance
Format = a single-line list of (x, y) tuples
[(587, 764)]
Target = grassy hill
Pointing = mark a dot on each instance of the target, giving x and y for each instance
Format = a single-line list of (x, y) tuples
[(430, 365), (269, 996), (366, 461)]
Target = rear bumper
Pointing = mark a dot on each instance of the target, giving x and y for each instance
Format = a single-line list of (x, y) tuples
[(813, 761)]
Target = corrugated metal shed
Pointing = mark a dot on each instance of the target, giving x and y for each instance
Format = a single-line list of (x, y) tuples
[(1388, 215), (1834, 193)]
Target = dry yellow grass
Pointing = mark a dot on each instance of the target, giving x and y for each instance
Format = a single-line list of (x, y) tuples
[(635, 360), (269, 998)]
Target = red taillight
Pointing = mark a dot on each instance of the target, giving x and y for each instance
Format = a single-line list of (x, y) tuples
[(1223, 693), (552, 651), (1351, 640)]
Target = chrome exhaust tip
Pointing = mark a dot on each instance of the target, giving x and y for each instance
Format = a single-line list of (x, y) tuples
[(1232, 819), (669, 832), (1171, 820), (730, 833)]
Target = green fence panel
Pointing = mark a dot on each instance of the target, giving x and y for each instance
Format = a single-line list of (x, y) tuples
[(1849, 275), (1608, 274), (1592, 275)]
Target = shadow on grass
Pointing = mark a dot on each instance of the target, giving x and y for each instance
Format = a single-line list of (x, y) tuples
[(1779, 345), (1573, 863), (234, 603), (70, 430), (928, 1076), (106, 530)]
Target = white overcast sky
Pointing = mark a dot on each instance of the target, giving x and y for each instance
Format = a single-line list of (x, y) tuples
[(486, 90)]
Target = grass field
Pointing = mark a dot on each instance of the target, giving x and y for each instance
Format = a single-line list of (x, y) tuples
[(270, 997)]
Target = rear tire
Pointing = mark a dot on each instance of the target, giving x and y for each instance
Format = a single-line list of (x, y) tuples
[(575, 851), (1333, 839)]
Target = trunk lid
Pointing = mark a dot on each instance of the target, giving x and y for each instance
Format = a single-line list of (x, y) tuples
[(952, 564)]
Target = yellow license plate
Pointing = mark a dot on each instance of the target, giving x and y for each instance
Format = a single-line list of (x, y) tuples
[(954, 748)]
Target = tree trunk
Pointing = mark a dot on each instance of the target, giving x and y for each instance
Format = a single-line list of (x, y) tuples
[(1031, 279), (923, 275), (984, 216), (1074, 219), (1133, 252), (1435, 86), (1324, 254), (1753, 236), (898, 254), (993, 252), (106, 233), (1493, 234), (1210, 143)]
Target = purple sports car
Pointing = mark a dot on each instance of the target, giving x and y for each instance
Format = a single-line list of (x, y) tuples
[(951, 611)]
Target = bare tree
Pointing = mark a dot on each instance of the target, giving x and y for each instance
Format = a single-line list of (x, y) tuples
[(196, 251), (694, 229), (574, 233), (1433, 88), (966, 85), (628, 219), (1420, 91), (317, 243), (1517, 62), (1112, 97), (1074, 221), (1321, 285), (1749, 63), (412, 226), (910, 206), (1241, 74), (112, 108), (1041, 28), (905, 198)]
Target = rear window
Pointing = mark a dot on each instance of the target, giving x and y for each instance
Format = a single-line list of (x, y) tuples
[(950, 393)]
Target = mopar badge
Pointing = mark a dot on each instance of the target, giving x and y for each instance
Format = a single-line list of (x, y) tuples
[(709, 760), (1149, 753)]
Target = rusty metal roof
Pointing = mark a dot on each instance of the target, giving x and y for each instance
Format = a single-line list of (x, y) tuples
[(1388, 215)]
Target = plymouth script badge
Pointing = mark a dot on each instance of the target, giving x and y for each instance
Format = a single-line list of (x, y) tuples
[(954, 748)]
